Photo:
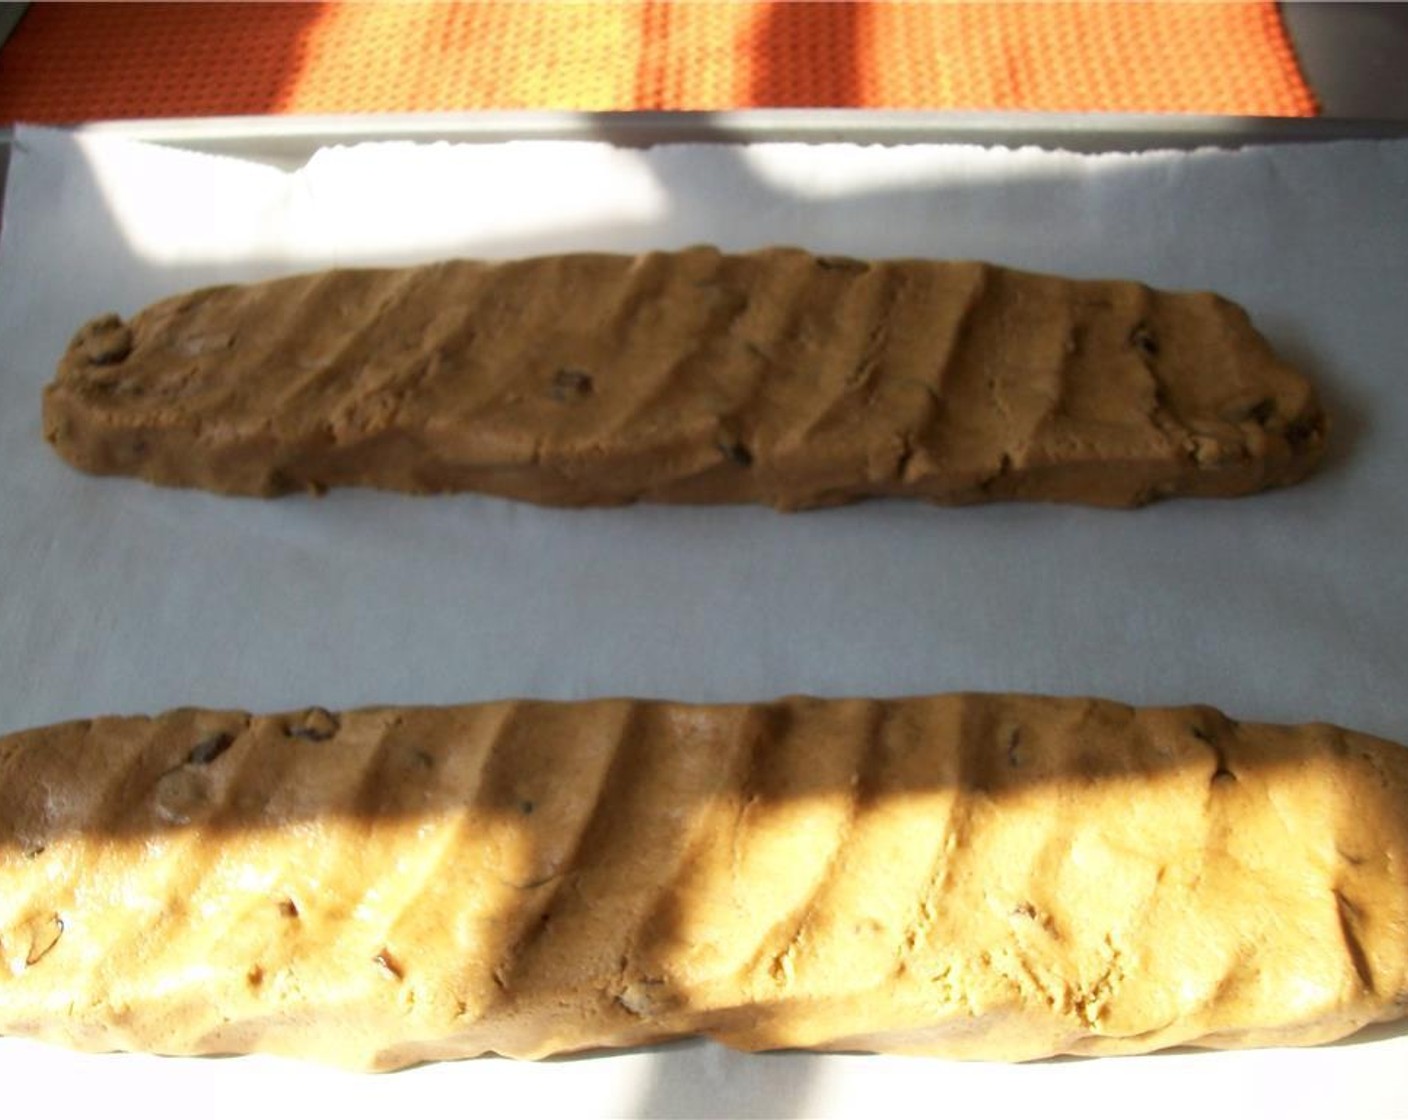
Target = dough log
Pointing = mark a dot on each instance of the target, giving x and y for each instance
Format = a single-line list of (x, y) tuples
[(775, 377), (973, 876)]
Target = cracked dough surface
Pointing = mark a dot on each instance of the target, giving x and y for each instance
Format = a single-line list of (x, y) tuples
[(971, 876)]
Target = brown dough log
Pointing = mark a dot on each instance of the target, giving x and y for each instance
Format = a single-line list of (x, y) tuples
[(775, 377), (974, 876)]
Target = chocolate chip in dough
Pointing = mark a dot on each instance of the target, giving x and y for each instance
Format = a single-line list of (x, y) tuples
[(105, 341), (316, 725), (1014, 749), (1143, 340), (1262, 412), (735, 451), (210, 748), (1302, 432), (572, 385), (842, 264)]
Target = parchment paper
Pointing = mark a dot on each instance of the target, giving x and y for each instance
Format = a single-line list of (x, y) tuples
[(119, 597)]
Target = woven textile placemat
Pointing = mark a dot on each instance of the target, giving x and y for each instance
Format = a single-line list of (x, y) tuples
[(75, 62)]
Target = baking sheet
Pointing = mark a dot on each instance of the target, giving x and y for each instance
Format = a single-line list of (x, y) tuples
[(290, 141), (117, 597)]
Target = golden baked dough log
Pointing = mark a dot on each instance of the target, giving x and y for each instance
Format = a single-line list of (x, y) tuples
[(973, 876), (776, 377)]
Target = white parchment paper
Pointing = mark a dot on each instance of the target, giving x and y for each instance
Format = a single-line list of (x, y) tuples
[(118, 597)]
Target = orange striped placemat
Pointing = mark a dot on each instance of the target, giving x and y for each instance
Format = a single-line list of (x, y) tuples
[(73, 62)]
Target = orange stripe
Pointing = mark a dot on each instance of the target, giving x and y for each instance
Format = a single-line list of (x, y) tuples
[(69, 62)]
